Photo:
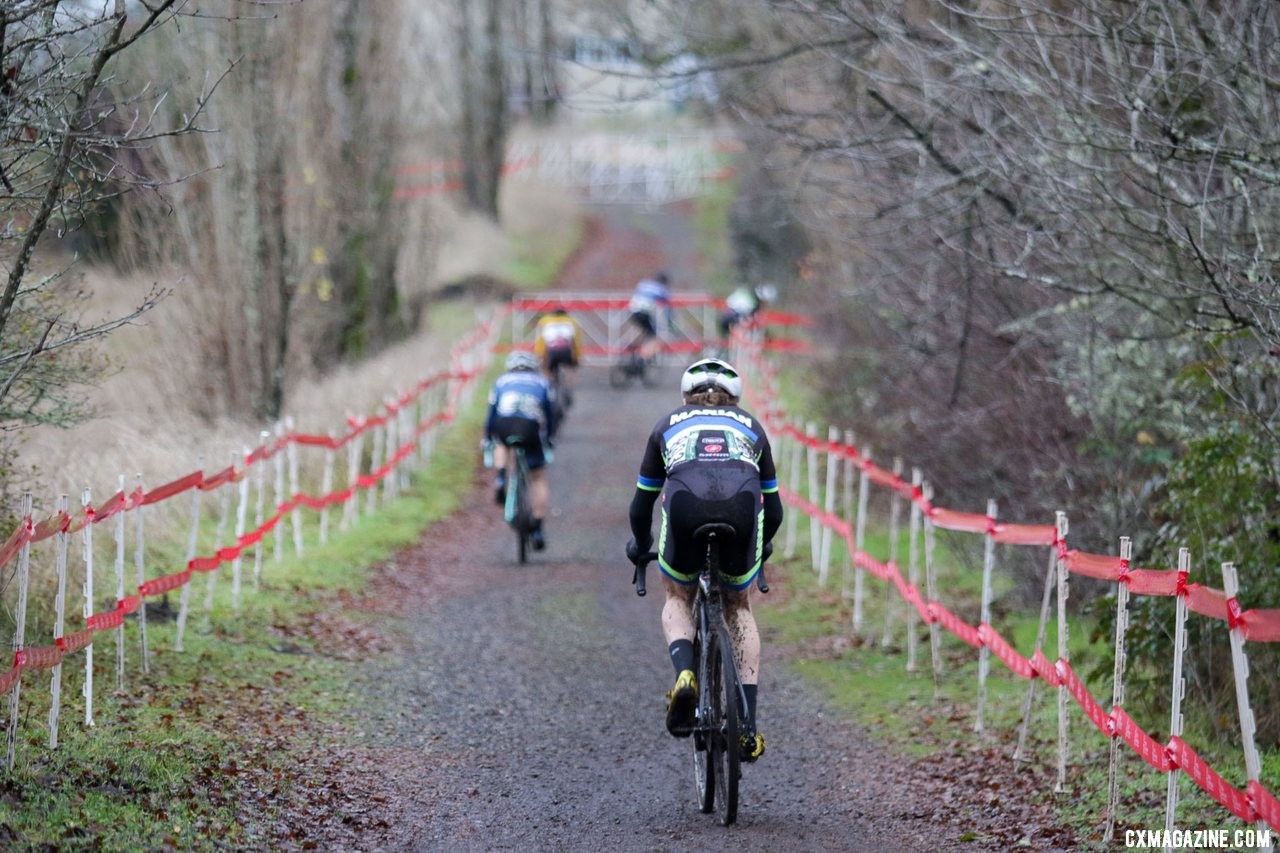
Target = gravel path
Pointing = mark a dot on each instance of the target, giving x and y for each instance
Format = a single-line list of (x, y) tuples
[(523, 706)]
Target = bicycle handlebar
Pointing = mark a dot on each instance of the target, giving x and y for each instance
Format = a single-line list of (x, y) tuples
[(637, 577)]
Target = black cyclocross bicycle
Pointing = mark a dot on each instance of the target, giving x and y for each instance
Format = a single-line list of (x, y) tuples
[(721, 700), (517, 508)]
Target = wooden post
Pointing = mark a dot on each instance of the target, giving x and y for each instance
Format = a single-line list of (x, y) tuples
[(193, 541), (1050, 576), (1240, 669), (1117, 687), (86, 503), (895, 531), (20, 629), (1061, 785), (1179, 684), (828, 506), (913, 566), (984, 653), (140, 574), (59, 623), (860, 540)]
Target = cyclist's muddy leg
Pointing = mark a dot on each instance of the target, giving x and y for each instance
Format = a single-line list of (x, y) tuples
[(677, 611), (744, 635), (540, 492)]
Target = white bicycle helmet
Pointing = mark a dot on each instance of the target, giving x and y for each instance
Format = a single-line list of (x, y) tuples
[(519, 359), (711, 373), (766, 292)]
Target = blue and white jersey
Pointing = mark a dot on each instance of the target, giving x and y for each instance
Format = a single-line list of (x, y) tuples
[(521, 394), (649, 295)]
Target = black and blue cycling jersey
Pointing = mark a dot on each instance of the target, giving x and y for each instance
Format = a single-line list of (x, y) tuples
[(708, 463)]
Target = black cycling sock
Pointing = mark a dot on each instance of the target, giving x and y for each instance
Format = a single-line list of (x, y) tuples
[(750, 691), (537, 525), (681, 655)]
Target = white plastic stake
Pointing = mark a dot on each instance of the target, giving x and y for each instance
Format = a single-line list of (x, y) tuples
[(984, 653), (371, 498), (20, 629), (184, 598), (860, 542), (1179, 687), (1061, 785), (828, 506), (260, 472), (242, 511), (895, 531), (59, 624), (1050, 576), (846, 512), (931, 580), (1240, 667), (793, 485), (224, 514), (120, 545), (140, 573), (1117, 687), (294, 516), (277, 539), (326, 486), (913, 567), (352, 505), (87, 539), (811, 466)]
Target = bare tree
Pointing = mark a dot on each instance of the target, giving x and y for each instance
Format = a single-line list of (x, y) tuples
[(66, 149)]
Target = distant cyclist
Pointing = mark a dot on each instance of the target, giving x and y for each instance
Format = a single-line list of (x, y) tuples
[(743, 304), (650, 304), (520, 407), (710, 461), (556, 343)]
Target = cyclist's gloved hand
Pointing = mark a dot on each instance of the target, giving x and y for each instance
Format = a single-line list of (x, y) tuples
[(634, 550)]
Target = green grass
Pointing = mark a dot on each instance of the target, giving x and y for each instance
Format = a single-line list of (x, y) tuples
[(193, 753), (711, 211), (539, 258)]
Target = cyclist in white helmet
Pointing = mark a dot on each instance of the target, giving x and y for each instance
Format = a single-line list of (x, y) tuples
[(711, 462), (743, 304), (520, 406)]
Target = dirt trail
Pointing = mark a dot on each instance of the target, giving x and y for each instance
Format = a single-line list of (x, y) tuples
[(523, 706)]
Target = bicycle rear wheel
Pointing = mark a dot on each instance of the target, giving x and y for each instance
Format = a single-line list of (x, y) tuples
[(522, 521), (725, 700), (704, 764)]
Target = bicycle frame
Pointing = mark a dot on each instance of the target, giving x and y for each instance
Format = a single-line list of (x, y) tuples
[(516, 508)]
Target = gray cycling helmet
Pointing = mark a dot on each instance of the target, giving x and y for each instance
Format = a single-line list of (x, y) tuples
[(711, 374), (520, 359)]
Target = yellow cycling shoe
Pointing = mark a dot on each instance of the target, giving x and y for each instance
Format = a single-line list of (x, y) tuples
[(750, 747), (682, 705)]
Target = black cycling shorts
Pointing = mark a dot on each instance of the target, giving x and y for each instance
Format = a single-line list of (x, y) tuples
[(560, 357), (528, 431), (643, 320), (683, 512)]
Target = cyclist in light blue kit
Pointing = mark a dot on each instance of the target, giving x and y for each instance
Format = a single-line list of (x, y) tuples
[(520, 406)]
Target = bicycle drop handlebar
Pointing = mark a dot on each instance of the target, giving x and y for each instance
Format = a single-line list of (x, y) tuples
[(637, 577)]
